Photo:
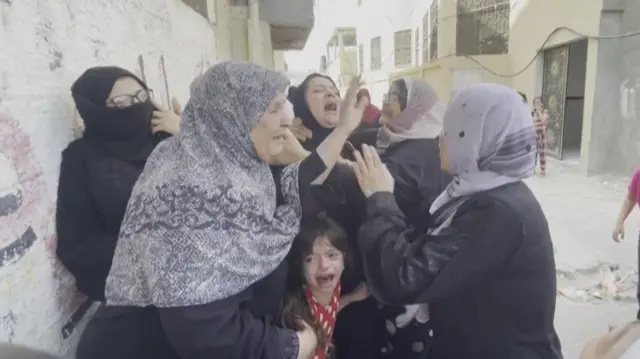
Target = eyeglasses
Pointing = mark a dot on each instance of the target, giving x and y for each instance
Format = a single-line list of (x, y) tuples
[(124, 101)]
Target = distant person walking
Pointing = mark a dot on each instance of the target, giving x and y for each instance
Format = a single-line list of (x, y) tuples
[(540, 123)]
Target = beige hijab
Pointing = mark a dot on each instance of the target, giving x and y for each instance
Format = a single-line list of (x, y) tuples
[(620, 343)]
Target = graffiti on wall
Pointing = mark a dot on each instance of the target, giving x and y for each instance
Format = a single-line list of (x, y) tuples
[(163, 92), (26, 218), (139, 69), (22, 192)]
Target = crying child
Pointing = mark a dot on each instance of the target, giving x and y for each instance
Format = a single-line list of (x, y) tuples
[(316, 261)]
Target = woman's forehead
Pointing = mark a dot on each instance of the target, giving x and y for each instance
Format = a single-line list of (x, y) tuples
[(125, 86), (320, 81)]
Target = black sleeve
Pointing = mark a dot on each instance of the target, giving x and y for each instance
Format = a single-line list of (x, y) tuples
[(223, 329), (340, 189), (404, 268), (310, 168), (84, 248)]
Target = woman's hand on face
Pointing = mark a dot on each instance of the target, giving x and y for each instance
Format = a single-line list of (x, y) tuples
[(352, 108), (300, 131), (292, 150), (373, 175), (164, 120)]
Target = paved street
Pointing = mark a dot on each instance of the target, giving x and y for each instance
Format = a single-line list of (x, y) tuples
[(581, 213)]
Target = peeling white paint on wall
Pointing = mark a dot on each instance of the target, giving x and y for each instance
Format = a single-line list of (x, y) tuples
[(45, 46)]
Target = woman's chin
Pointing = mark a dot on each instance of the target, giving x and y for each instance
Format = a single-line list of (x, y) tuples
[(329, 122)]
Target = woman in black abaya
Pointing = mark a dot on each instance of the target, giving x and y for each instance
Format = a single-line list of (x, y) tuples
[(98, 171)]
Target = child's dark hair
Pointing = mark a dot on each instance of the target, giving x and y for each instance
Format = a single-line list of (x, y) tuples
[(295, 306)]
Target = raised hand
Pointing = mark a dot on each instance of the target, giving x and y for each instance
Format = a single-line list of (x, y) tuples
[(352, 108), (373, 175)]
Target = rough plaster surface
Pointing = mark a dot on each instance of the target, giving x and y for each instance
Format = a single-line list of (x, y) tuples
[(44, 46), (581, 212), (615, 144)]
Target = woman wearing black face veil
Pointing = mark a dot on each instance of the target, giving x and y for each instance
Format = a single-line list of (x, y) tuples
[(316, 104), (98, 171)]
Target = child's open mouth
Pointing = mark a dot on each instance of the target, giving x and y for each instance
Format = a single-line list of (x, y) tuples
[(325, 279)]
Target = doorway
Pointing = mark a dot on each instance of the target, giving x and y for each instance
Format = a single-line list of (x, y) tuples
[(574, 105), (564, 75)]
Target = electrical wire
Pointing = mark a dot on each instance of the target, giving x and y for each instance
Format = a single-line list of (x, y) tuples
[(533, 59), (542, 49)]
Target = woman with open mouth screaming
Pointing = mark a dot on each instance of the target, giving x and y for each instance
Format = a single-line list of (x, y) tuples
[(316, 104)]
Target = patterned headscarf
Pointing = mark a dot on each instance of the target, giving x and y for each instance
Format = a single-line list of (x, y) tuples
[(202, 222), (488, 141), (421, 118)]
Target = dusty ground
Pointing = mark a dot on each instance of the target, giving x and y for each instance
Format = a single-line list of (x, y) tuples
[(581, 213)]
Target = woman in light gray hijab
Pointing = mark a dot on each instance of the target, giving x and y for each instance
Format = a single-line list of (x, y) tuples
[(199, 267), (485, 266)]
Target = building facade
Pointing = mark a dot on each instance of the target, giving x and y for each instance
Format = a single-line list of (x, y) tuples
[(580, 57), (341, 59), (46, 45)]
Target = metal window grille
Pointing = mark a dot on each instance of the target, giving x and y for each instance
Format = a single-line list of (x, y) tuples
[(483, 27)]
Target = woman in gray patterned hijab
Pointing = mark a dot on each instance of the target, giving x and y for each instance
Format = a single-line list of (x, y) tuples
[(227, 216), (203, 240)]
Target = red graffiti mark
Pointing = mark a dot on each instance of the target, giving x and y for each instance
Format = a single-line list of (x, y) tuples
[(23, 193), (26, 210)]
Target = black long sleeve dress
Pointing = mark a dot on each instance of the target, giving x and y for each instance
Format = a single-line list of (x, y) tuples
[(93, 190), (238, 327), (489, 278), (366, 329)]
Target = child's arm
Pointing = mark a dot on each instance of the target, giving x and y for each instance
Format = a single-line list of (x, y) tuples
[(627, 206), (360, 293)]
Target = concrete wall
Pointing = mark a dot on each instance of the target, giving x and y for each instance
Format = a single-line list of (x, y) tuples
[(615, 133), (527, 36), (45, 45)]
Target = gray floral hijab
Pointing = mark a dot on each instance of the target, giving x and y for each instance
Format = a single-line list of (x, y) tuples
[(202, 222), (488, 141)]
